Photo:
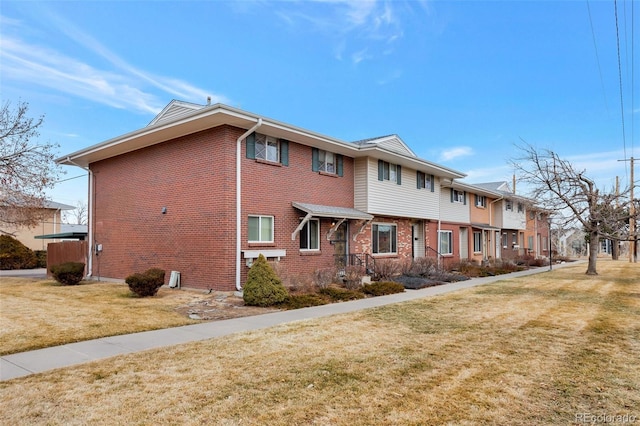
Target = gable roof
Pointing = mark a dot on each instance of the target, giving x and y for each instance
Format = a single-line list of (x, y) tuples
[(392, 143), (175, 109), (182, 118)]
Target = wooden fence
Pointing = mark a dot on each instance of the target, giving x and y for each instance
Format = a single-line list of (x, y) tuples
[(67, 251)]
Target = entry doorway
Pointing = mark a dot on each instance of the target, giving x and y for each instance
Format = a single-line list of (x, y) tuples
[(417, 240)]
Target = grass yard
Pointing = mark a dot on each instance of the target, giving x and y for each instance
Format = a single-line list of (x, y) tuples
[(536, 350), (37, 314)]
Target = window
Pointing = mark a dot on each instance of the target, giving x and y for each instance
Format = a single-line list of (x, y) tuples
[(477, 241), (310, 235), (530, 242), (384, 238), (458, 196), (260, 229), (508, 205), (532, 215), (505, 241), (263, 147), (446, 242), (267, 148), (520, 207), (425, 181), (326, 162), (481, 201), (545, 243), (390, 172)]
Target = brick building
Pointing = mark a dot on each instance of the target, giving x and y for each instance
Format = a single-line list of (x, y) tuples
[(204, 190)]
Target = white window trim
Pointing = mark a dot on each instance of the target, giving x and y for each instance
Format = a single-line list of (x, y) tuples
[(479, 242), (481, 201), (306, 227), (458, 196), (323, 163), (450, 239), (266, 142), (396, 239), (260, 217)]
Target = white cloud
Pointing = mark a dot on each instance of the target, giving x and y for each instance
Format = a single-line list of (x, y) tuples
[(456, 152), (123, 86), (371, 25)]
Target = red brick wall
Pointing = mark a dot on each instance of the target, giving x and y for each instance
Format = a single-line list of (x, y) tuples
[(270, 189), (194, 178)]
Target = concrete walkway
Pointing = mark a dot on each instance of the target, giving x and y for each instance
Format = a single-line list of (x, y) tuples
[(37, 361)]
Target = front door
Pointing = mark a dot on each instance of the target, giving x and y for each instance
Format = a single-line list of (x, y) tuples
[(341, 244), (464, 243), (417, 236)]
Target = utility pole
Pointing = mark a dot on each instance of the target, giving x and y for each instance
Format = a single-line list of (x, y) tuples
[(632, 219)]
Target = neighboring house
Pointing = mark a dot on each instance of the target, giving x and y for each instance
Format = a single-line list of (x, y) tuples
[(511, 217), (536, 233), (49, 222), (204, 190)]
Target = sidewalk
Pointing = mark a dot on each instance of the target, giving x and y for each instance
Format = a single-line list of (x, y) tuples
[(37, 361)]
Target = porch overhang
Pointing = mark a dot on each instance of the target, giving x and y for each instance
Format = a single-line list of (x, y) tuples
[(335, 212), (484, 227)]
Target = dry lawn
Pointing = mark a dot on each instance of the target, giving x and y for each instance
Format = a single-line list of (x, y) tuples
[(36, 314), (534, 350)]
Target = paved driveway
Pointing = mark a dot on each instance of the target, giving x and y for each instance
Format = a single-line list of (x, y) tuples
[(25, 273)]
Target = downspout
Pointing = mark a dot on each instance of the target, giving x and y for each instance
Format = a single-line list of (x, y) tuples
[(239, 201), (89, 218)]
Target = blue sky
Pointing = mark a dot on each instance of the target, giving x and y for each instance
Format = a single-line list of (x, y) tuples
[(460, 82)]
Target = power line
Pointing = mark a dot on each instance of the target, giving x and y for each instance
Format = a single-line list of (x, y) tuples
[(595, 47), (75, 177), (624, 139)]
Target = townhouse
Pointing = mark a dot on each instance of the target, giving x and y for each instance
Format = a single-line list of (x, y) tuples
[(204, 190)]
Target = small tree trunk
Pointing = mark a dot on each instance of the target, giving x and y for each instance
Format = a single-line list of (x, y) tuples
[(594, 240), (615, 249)]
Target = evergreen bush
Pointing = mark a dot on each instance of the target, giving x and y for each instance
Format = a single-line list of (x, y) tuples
[(68, 273), (337, 294), (380, 288), (147, 283), (15, 255), (263, 287)]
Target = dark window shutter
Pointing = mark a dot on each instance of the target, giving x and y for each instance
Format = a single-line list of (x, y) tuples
[(433, 183), (284, 152), (475, 201), (251, 146), (380, 170), (420, 179), (399, 175), (339, 165), (452, 195), (315, 163), (464, 198)]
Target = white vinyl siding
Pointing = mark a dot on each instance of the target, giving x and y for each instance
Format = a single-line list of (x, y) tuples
[(453, 211), (390, 199)]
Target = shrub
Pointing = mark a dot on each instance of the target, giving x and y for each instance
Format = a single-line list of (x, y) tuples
[(15, 255), (386, 268), (323, 277), (298, 301), (147, 283), (380, 288), (415, 283), (68, 273), (353, 277), (263, 287), (41, 256), (341, 294)]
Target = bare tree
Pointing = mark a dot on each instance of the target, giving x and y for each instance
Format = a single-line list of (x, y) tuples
[(27, 168), (77, 216), (555, 184)]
